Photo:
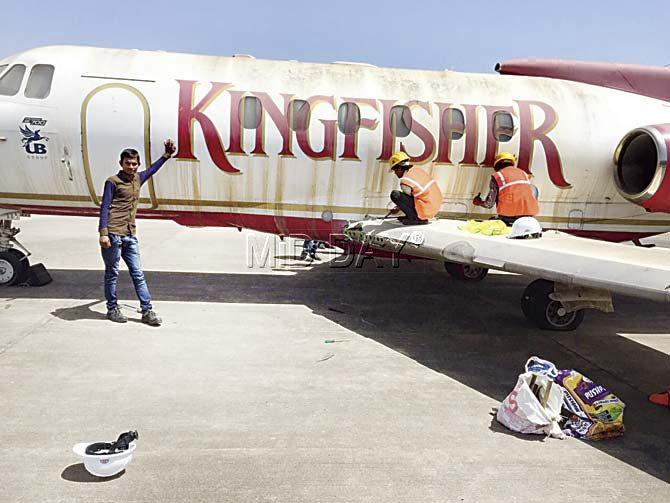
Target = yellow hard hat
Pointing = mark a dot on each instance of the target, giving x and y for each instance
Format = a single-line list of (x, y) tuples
[(398, 158), (504, 156)]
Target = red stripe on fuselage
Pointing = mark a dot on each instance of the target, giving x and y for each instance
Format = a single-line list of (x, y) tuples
[(281, 225)]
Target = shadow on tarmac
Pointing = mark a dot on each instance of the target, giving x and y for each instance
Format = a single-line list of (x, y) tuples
[(82, 312), (78, 473), (496, 427), (474, 333)]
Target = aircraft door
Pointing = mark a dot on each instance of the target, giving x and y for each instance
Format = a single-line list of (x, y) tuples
[(33, 163), (13, 159), (115, 117)]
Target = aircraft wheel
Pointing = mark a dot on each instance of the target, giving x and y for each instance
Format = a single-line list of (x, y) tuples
[(546, 313), (24, 273), (465, 272), (11, 268)]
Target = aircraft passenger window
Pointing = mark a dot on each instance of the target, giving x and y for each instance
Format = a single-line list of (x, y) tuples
[(453, 123), (503, 126), (251, 112), (299, 115), (11, 81), (39, 82), (348, 118), (401, 121)]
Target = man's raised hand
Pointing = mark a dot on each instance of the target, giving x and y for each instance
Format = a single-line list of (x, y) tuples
[(170, 148)]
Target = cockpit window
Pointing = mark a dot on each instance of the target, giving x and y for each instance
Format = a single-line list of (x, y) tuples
[(2, 68), (39, 82), (10, 82)]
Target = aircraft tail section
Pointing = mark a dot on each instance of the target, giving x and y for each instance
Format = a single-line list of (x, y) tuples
[(651, 81)]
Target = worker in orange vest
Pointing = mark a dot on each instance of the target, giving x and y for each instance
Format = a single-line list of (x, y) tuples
[(510, 191), (419, 196)]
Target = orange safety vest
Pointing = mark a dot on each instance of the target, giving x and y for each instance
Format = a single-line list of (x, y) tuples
[(515, 196), (426, 193)]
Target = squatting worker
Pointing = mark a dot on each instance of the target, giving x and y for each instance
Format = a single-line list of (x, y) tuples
[(419, 197), (510, 191), (117, 231)]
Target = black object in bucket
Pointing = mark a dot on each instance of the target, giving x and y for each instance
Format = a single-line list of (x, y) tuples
[(122, 443)]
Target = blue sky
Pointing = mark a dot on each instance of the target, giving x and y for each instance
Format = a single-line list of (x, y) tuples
[(409, 34)]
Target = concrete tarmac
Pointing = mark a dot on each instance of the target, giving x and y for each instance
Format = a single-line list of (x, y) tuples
[(238, 396)]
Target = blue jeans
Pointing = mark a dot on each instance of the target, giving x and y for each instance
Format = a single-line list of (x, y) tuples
[(128, 248), (310, 246)]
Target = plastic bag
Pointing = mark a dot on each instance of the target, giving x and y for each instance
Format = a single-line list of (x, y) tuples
[(537, 365), (533, 406), (597, 412)]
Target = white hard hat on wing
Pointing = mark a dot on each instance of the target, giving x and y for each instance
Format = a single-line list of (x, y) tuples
[(525, 228)]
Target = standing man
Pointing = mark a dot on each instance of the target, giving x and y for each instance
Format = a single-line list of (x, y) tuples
[(419, 197), (117, 231), (510, 191)]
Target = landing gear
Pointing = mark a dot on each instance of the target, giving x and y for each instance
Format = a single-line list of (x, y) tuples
[(546, 313), (465, 272), (14, 267), (14, 263)]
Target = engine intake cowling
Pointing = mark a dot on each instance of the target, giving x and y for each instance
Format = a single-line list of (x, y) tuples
[(640, 167)]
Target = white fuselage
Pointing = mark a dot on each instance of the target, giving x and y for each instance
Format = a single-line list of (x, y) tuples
[(274, 178)]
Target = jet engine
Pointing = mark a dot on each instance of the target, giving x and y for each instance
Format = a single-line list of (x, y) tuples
[(641, 167)]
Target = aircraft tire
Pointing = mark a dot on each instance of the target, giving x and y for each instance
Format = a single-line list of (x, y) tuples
[(10, 268), (24, 272), (546, 313), (465, 272)]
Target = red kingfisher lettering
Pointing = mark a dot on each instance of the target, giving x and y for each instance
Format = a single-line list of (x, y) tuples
[(188, 114), (445, 124)]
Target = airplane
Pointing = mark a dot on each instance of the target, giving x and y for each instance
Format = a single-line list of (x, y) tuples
[(294, 148)]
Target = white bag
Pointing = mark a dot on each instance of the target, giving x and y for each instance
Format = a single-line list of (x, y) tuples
[(522, 411), (537, 365)]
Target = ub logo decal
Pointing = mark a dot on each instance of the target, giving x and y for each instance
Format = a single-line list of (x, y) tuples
[(33, 142)]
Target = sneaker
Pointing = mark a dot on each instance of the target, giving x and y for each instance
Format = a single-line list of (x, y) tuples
[(150, 318), (314, 257), (303, 255), (116, 315)]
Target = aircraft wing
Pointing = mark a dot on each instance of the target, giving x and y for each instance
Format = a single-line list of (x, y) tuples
[(556, 256)]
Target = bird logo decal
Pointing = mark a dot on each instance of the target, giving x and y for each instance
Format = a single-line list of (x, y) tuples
[(30, 136)]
